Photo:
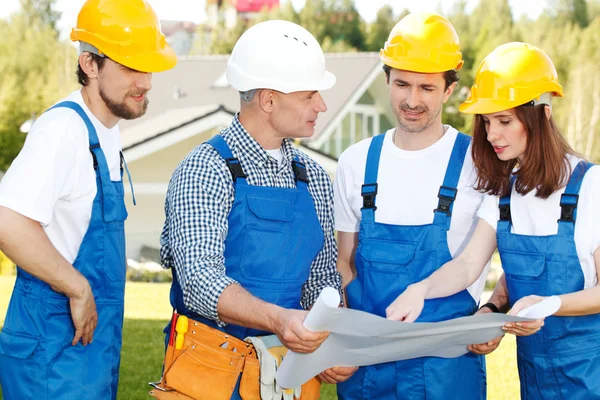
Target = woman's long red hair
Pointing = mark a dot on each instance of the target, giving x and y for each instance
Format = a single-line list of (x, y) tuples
[(544, 166)]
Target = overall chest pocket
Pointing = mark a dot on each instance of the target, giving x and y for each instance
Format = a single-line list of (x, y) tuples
[(386, 255), (268, 238), (524, 274), (269, 214)]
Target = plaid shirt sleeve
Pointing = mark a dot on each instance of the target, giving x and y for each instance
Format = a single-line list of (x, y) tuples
[(323, 271), (198, 202)]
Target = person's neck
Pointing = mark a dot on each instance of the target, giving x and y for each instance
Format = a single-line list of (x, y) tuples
[(414, 141), (261, 131), (96, 105)]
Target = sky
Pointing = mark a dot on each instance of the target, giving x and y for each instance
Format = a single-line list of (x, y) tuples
[(194, 9)]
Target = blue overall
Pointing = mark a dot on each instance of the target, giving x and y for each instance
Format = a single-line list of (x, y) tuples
[(37, 360), (562, 360), (388, 259), (272, 239)]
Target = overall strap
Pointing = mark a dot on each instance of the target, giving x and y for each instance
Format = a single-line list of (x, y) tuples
[(300, 174), (100, 164), (221, 146), (97, 154), (448, 190), (570, 198), (369, 188), (505, 220)]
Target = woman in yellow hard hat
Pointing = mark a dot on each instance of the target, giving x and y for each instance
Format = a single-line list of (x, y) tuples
[(545, 223), (62, 210)]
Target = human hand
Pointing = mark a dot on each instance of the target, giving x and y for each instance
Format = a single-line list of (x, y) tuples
[(526, 328), (337, 374), (408, 306), (83, 314), (488, 347), (292, 333)]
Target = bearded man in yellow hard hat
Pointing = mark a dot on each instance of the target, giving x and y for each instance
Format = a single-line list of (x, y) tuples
[(404, 206), (62, 214)]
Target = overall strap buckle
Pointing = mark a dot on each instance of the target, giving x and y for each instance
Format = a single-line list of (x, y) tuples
[(299, 171), (568, 205), (505, 212), (368, 192), (235, 168), (446, 199), (92, 148)]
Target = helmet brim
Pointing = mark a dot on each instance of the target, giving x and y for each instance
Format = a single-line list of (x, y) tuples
[(157, 61), (490, 106)]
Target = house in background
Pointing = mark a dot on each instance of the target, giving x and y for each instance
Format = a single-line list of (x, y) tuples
[(192, 102)]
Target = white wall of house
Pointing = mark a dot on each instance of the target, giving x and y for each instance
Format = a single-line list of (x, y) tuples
[(150, 176)]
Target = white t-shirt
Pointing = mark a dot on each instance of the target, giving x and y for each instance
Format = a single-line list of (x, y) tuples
[(276, 154), (52, 180), (538, 217), (408, 185)]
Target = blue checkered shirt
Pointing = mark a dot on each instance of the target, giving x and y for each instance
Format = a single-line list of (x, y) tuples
[(197, 206)]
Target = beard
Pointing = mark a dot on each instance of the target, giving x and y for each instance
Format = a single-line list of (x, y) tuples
[(416, 126), (120, 109)]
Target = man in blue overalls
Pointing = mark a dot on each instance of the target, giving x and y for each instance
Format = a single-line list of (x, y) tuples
[(405, 205), (62, 214), (249, 218)]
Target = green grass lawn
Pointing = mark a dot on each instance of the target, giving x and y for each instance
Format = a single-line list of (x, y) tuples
[(147, 311)]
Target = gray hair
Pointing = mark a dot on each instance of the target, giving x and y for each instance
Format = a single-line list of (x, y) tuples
[(83, 46), (248, 95)]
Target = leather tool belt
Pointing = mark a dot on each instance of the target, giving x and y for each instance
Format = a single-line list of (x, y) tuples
[(208, 365)]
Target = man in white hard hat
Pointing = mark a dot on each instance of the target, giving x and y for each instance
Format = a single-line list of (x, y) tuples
[(249, 225)]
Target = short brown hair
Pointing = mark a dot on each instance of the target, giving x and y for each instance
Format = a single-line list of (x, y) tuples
[(450, 76), (544, 167), (82, 78)]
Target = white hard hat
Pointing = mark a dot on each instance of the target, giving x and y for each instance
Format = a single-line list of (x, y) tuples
[(278, 55)]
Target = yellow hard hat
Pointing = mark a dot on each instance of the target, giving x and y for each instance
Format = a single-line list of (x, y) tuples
[(423, 42), (127, 31), (511, 75)]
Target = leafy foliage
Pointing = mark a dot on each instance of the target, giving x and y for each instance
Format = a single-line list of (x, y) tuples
[(36, 69), (41, 71)]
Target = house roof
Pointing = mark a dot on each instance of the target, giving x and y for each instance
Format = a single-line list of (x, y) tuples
[(198, 81), (166, 122)]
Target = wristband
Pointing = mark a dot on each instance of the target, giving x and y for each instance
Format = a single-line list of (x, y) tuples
[(491, 306)]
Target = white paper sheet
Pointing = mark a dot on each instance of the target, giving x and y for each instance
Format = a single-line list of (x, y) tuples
[(358, 338)]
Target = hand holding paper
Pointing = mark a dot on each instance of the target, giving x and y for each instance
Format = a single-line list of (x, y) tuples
[(358, 338), (532, 307)]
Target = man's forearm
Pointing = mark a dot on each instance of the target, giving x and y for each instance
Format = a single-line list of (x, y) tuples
[(24, 241), (237, 306)]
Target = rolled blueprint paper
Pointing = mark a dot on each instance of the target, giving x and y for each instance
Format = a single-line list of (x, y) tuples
[(316, 320), (358, 338)]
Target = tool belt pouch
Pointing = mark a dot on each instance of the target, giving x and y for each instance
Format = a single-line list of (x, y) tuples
[(209, 365), (250, 381)]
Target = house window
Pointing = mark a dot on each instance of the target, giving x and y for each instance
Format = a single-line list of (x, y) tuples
[(361, 122)]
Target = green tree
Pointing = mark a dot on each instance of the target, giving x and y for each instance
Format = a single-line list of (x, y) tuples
[(346, 25), (315, 17), (223, 39), (564, 11), (40, 13), (36, 69), (579, 110), (380, 29)]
